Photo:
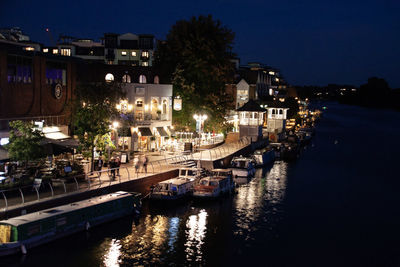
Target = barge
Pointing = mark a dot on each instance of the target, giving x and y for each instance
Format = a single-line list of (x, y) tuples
[(21, 233)]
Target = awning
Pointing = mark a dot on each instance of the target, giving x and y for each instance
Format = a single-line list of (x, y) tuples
[(145, 131), (172, 131), (161, 131), (54, 132), (56, 147)]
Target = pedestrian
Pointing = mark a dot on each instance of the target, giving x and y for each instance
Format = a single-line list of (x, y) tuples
[(117, 164), (136, 163), (100, 163), (145, 161), (112, 167), (6, 168)]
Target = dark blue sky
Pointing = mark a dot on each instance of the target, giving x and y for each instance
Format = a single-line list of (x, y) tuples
[(312, 42)]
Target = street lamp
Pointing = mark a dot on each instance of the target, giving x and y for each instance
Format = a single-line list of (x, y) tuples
[(200, 118)]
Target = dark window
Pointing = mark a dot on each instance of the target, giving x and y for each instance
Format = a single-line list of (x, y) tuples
[(19, 69), (56, 72)]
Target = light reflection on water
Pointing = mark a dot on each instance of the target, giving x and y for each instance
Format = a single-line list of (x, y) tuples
[(260, 199), (111, 258), (195, 233), (183, 238)]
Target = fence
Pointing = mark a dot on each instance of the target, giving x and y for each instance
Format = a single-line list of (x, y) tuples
[(74, 184)]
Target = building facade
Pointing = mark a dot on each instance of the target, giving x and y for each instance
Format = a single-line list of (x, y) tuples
[(113, 49), (34, 87)]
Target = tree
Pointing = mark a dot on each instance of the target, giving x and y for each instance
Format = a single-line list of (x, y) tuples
[(25, 142), (92, 109), (195, 58), (374, 93)]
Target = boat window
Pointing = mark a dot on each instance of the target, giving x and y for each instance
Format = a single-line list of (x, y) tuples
[(190, 173), (204, 182), (213, 183), (33, 229), (61, 221)]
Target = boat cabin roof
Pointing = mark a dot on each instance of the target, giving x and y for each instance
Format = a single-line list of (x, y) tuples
[(43, 214), (176, 181), (189, 171), (242, 159)]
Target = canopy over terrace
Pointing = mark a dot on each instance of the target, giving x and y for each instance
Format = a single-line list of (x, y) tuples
[(56, 147)]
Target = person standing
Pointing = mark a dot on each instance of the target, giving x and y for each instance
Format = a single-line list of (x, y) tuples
[(100, 163), (136, 163), (112, 168), (117, 164), (145, 161)]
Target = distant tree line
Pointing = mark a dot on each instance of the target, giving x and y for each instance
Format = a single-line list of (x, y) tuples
[(375, 93)]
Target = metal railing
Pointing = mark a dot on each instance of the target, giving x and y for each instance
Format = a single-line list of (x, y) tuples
[(20, 196)]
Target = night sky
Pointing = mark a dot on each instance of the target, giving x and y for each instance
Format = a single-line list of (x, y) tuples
[(312, 42)]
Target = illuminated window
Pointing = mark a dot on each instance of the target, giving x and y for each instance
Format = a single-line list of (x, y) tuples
[(29, 48), (55, 51), (56, 72), (19, 69), (271, 73), (145, 64), (65, 52), (45, 50), (109, 77), (123, 53), (142, 79), (156, 80), (126, 78), (133, 53), (145, 54)]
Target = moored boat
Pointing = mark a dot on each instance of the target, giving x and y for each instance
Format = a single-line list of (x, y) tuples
[(27, 231), (218, 183), (243, 169), (264, 156), (176, 188)]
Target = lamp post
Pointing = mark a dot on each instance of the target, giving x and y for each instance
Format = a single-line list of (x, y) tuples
[(200, 118)]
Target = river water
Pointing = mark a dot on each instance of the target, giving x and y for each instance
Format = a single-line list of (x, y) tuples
[(337, 205)]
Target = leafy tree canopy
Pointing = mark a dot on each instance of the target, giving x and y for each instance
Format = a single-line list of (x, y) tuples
[(195, 58), (25, 142), (94, 106)]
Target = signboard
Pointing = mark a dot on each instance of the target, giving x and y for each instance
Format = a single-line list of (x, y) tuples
[(57, 91), (123, 158), (177, 104)]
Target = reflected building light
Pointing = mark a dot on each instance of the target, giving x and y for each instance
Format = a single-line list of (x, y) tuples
[(196, 232), (111, 259), (159, 232), (173, 232)]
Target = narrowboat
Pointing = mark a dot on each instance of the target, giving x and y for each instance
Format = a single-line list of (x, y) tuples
[(176, 188), (242, 169), (220, 182), (21, 233)]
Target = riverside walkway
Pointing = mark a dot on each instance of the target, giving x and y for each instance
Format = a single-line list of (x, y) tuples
[(159, 163)]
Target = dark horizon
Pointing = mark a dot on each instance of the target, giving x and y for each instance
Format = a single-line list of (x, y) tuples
[(311, 43)]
